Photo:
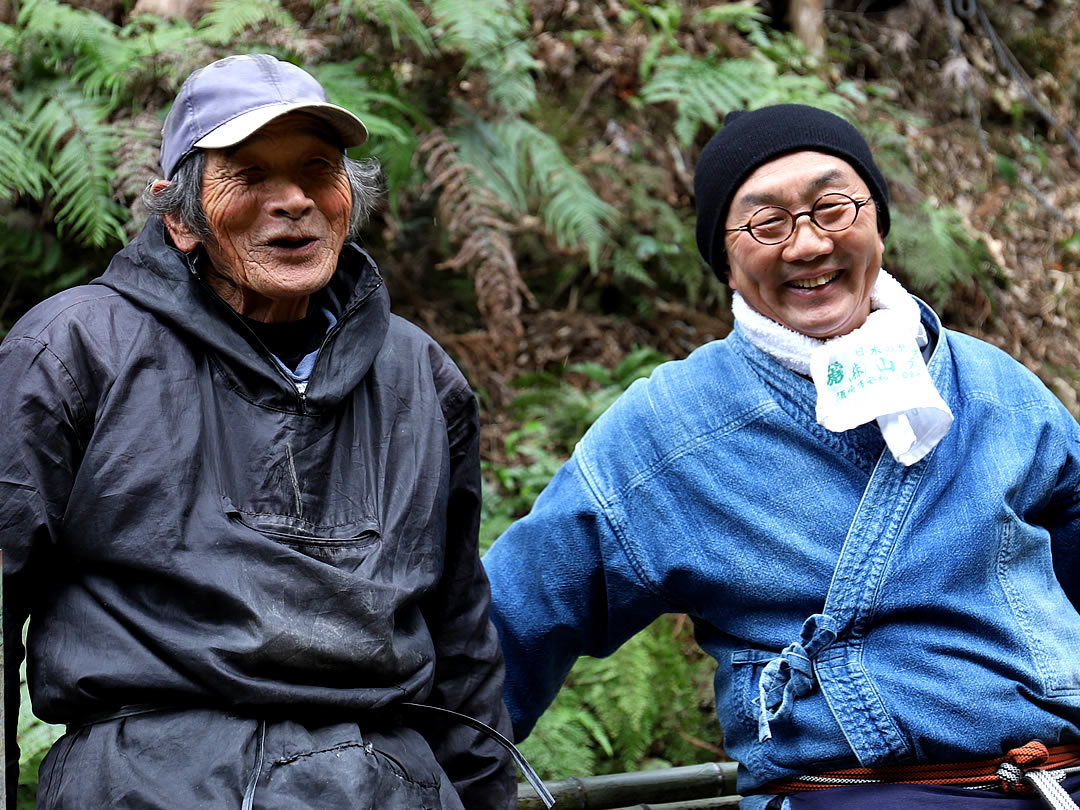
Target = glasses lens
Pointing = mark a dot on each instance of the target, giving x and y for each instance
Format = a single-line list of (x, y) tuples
[(770, 225), (834, 212)]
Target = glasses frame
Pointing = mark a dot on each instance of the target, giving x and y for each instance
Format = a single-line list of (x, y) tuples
[(809, 213)]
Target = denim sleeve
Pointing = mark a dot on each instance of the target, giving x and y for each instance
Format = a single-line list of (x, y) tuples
[(39, 452), (561, 588)]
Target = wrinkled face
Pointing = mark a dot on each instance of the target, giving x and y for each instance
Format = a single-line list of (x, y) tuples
[(817, 282), (278, 207)]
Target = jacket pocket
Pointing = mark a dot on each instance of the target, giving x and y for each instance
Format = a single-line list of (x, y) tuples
[(345, 545), (741, 742), (381, 772), (1044, 614)]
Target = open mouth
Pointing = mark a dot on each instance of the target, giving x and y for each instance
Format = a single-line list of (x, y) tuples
[(291, 244), (817, 281)]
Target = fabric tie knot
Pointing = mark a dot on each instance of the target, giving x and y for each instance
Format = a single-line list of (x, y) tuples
[(1016, 764), (1026, 770), (791, 674)]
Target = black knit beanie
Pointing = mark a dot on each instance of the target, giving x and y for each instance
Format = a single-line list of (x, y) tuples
[(750, 138)]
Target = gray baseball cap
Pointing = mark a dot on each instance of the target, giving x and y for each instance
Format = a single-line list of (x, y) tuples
[(228, 100)]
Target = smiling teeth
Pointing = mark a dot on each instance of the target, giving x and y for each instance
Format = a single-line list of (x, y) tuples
[(807, 283)]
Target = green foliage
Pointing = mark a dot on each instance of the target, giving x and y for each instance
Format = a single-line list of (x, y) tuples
[(702, 89), (69, 135), (655, 242), (527, 169), (663, 20), (397, 16), (59, 151), (569, 404), (55, 42), (52, 33), (373, 93), (571, 210), (744, 16), (648, 704), (228, 19), (933, 249), (35, 738), (554, 410), (651, 701), (511, 489), (492, 35)]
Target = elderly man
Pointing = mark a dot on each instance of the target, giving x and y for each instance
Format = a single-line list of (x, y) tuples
[(873, 521), (239, 500)]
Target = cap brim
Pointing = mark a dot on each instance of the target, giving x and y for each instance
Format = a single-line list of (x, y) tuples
[(350, 129)]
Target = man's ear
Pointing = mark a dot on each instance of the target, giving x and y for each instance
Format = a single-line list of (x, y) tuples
[(181, 235)]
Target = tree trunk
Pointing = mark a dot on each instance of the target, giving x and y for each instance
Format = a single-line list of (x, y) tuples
[(808, 23)]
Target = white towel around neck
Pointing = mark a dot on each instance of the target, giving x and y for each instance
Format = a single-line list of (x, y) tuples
[(875, 372)]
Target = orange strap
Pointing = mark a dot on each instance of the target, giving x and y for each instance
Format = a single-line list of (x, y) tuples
[(978, 773)]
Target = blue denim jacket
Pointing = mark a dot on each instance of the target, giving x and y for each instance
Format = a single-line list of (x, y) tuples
[(859, 611)]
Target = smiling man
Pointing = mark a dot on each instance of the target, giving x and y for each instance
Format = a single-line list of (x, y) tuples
[(239, 499), (873, 521)]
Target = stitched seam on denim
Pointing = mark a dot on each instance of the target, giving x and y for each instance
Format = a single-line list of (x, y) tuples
[(611, 507), (852, 595), (1017, 603), (742, 691), (695, 442), (607, 509)]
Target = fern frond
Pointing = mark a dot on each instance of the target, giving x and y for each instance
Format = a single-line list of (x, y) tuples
[(703, 90), (790, 88), (227, 19), (57, 30), (495, 162), (101, 58), (146, 50), (68, 130), (473, 219), (20, 172), (347, 86), (560, 746), (492, 36), (932, 246), (9, 38), (571, 210), (614, 711), (744, 15), (69, 41), (397, 15)]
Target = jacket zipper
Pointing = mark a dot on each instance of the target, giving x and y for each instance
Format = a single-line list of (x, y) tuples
[(301, 395)]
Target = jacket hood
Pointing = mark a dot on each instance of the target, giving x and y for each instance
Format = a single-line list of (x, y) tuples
[(157, 277)]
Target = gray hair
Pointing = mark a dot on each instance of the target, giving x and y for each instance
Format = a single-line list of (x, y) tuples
[(183, 195)]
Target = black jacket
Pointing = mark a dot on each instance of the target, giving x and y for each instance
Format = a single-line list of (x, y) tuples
[(255, 577)]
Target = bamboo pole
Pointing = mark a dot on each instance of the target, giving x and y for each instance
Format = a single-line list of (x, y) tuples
[(690, 785)]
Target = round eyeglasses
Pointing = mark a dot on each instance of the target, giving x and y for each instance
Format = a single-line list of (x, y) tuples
[(775, 224)]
